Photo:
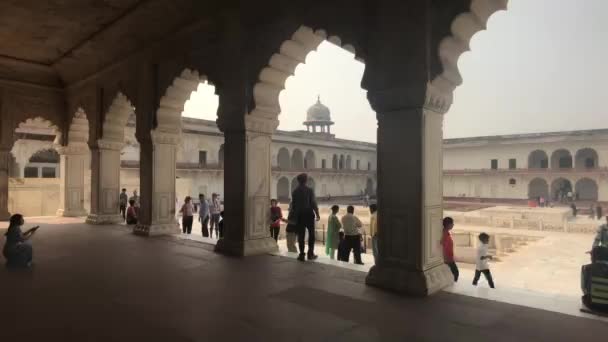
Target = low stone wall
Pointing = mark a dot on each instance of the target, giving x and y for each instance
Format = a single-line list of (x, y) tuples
[(466, 243), (33, 196), (568, 226)]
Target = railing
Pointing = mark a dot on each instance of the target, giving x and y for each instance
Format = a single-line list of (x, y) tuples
[(596, 170), (326, 170), (131, 164)]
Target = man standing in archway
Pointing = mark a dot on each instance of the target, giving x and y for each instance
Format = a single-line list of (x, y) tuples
[(304, 206)]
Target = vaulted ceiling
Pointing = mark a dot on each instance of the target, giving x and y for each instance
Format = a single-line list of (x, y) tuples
[(57, 42)]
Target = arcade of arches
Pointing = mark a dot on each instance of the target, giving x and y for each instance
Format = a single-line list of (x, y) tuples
[(87, 85)]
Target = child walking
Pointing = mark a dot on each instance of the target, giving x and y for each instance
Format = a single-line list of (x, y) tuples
[(333, 233), (482, 265)]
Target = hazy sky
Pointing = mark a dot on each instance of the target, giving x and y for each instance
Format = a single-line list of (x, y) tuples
[(540, 66)]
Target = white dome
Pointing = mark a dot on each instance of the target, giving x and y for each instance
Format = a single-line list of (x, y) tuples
[(318, 112)]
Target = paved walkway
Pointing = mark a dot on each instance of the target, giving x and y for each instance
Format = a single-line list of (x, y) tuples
[(99, 283)]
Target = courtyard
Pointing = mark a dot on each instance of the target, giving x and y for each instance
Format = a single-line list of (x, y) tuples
[(92, 283)]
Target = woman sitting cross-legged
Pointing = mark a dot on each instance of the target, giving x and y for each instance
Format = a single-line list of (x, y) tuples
[(18, 248)]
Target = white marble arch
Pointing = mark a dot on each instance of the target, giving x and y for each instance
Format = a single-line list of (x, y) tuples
[(165, 138), (105, 163), (283, 64), (75, 160)]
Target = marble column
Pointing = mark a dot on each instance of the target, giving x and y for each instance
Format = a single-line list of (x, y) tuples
[(4, 173), (105, 183), (164, 154), (72, 172), (247, 178), (410, 199)]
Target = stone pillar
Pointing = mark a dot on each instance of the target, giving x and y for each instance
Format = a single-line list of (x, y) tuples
[(409, 198), (164, 154), (4, 172), (247, 178), (72, 170), (105, 183)]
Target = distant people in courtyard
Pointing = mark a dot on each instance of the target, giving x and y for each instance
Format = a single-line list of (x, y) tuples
[(574, 209), (123, 201), (333, 233), (352, 234), (276, 217), (187, 212), (203, 215), (132, 213), (448, 246), (220, 226), (215, 208), (592, 211), (304, 205), (135, 197), (570, 196), (373, 229), (342, 248), (481, 264), (541, 201), (291, 231), (599, 211), (18, 250)]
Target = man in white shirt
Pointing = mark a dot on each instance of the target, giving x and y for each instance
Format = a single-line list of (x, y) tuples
[(352, 234), (215, 208), (481, 263)]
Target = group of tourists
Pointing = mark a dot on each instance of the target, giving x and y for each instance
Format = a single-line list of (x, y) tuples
[(129, 214), (343, 235), (482, 256), (210, 215)]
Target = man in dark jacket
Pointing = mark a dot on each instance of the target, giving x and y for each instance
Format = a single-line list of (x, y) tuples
[(304, 206)]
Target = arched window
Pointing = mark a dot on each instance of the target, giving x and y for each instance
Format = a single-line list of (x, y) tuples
[(586, 158), (297, 160), (283, 159)]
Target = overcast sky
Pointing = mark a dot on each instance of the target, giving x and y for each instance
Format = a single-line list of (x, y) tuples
[(540, 66)]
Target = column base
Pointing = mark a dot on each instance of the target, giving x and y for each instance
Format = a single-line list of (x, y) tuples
[(104, 219), (71, 213), (411, 282), (156, 229), (265, 245)]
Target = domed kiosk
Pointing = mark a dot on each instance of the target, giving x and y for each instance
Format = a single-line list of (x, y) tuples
[(318, 118)]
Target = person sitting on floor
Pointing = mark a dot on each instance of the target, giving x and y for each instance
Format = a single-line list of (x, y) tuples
[(18, 248), (132, 212)]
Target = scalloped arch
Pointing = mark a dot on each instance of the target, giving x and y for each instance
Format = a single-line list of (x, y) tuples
[(283, 64), (172, 103), (116, 119), (463, 28), (40, 123), (79, 128)]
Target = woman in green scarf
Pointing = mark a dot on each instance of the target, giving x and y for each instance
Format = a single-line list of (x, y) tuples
[(333, 233)]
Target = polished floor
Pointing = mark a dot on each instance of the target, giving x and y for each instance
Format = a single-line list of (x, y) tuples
[(104, 284)]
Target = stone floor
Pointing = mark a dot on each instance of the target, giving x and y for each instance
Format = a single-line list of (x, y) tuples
[(105, 284)]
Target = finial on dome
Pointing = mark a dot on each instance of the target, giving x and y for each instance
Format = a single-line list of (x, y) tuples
[(318, 98)]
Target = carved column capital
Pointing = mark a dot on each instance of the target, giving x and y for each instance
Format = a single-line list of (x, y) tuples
[(438, 100), (110, 145), (260, 124), (159, 137), (72, 149), (427, 97)]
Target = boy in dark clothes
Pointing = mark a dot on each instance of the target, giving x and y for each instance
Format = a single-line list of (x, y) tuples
[(342, 249)]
